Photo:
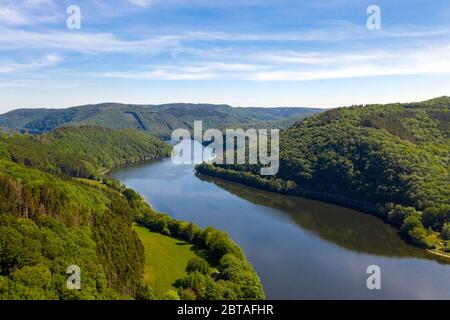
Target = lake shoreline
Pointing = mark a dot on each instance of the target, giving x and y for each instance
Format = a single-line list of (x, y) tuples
[(291, 240), (317, 196)]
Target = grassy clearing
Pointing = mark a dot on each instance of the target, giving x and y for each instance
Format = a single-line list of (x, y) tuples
[(166, 259), (92, 183)]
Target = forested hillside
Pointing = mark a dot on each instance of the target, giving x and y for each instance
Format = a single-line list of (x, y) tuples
[(389, 159), (81, 152), (57, 210), (49, 220), (159, 120)]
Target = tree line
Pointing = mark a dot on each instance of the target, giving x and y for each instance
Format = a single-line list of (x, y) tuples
[(57, 209), (395, 158), (224, 274)]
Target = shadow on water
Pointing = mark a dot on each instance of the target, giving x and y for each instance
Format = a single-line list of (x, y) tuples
[(300, 248), (344, 227)]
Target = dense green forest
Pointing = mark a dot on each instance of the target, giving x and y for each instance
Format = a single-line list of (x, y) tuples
[(81, 152), (392, 160), (159, 120), (49, 223), (57, 210)]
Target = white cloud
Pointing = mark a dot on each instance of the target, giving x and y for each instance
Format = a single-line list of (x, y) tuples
[(48, 60), (85, 42), (318, 58), (104, 42), (431, 60), (197, 71), (52, 58), (334, 33), (294, 66), (11, 16), (142, 3), (203, 59), (201, 3), (28, 12)]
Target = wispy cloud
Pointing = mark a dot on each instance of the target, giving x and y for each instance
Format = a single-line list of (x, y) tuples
[(201, 3), (295, 66), (104, 42), (28, 12), (251, 41), (11, 16), (142, 3), (337, 32), (47, 61), (84, 42), (197, 71), (316, 66)]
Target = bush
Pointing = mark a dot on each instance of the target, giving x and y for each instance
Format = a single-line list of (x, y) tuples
[(196, 282), (413, 228), (446, 246), (144, 292), (160, 224), (187, 294), (410, 223), (197, 264), (418, 237), (398, 214), (170, 295), (432, 218), (446, 231)]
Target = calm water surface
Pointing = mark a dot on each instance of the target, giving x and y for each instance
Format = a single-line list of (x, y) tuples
[(301, 249)]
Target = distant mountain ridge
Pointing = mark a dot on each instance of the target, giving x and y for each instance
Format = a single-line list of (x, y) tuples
[(159, 120)]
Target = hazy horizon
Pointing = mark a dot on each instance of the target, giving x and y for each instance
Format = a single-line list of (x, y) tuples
[(202, 103)]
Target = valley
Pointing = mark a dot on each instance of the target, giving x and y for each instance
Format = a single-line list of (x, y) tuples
[(88, 188), (300, 248)]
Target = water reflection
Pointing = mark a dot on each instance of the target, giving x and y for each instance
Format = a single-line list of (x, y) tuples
[(299, 248), (347, 228)]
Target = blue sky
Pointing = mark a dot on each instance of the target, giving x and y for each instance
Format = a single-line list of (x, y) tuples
[(315, 53)]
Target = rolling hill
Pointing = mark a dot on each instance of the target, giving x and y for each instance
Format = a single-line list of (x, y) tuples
[(51, 219), (392, 160), (57, 210), (159, 120)]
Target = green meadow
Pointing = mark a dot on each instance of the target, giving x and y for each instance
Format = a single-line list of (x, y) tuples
[(166, 259)]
